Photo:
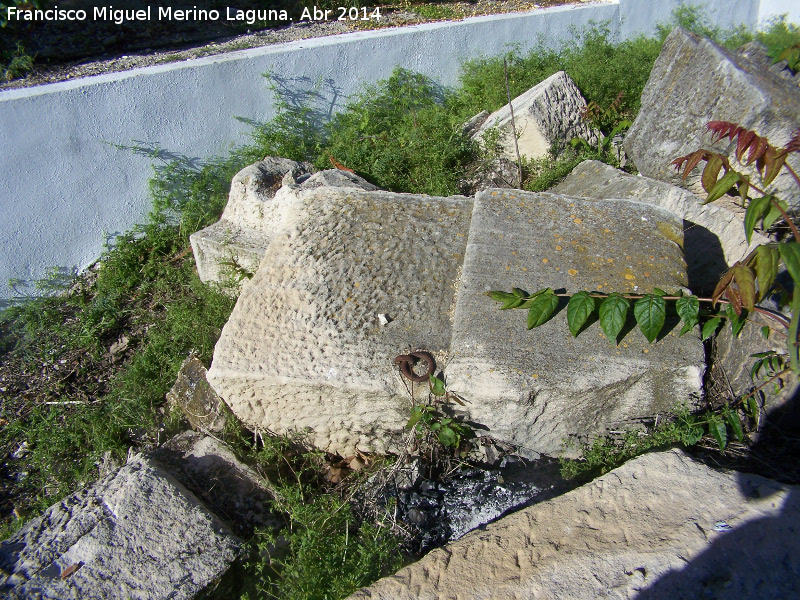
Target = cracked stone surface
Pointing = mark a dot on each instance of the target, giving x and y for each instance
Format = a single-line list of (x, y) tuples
[(660, 527), (137, 533)]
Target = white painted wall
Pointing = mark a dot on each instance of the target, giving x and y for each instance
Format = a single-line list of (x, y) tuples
[(65, 186), (770, 8)]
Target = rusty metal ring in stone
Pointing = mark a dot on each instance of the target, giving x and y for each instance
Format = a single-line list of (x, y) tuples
[(406, 361)]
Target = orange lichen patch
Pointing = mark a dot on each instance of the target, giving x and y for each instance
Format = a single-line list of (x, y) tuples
[(545, 260), (558, 247), (572, 272), (578, 221)]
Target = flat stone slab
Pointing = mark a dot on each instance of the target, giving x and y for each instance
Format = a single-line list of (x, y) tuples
[(694, 81), (135, 534), (662, 526), (536, 388), (354, 279), (548, 112), (713, 236)]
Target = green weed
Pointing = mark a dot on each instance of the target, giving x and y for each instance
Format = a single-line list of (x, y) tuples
[(609, 452)]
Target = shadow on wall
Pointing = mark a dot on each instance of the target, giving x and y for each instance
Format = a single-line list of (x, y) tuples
[(760, 559)]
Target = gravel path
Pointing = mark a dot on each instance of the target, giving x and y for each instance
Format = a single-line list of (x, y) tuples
[(105, 51)]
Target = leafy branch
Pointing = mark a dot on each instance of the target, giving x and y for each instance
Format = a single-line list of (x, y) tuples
[(739, 290)]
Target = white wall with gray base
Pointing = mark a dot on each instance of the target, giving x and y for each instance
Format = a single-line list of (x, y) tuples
[(69, 183)]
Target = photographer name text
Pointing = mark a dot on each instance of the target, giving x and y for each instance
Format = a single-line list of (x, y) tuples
[(167, 13)]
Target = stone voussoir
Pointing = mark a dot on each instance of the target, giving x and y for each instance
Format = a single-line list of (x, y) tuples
[(537, 388), (353, 280), (549, 112), (137, 533), (661, 526), (713, 236), (693, 82)]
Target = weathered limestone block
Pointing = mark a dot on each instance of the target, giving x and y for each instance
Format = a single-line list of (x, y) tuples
[(536, 388), (135, 534), (661, 526), (192, 395), (548, 112), (226, 486), (353, 280), (713, 236), (238, 240), (695, 81)]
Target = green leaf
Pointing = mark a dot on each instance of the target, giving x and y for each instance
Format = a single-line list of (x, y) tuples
[(766, 265), (710, 327), (732, 418), (752, 406), (519, 293), (650, 313), (790, 253), (514, 302), (437, 386), (580, 308), (774, 214), (711, 171), (622, 125), (791, 335), (756, 210), (757, 365), (692, 436), (765, 332), (416, 415), (719, 431), (542, 309), (613, 314), (688, 308), (745, 279), (723, 185), (501, 296), (447, 437), (737, 321)]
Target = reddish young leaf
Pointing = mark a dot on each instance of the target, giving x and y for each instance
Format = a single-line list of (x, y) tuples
[(732, 295), (691, 160), (723, 128), (745, 279), (744, 142), (724, 281), (794, 143), (757, 149)]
